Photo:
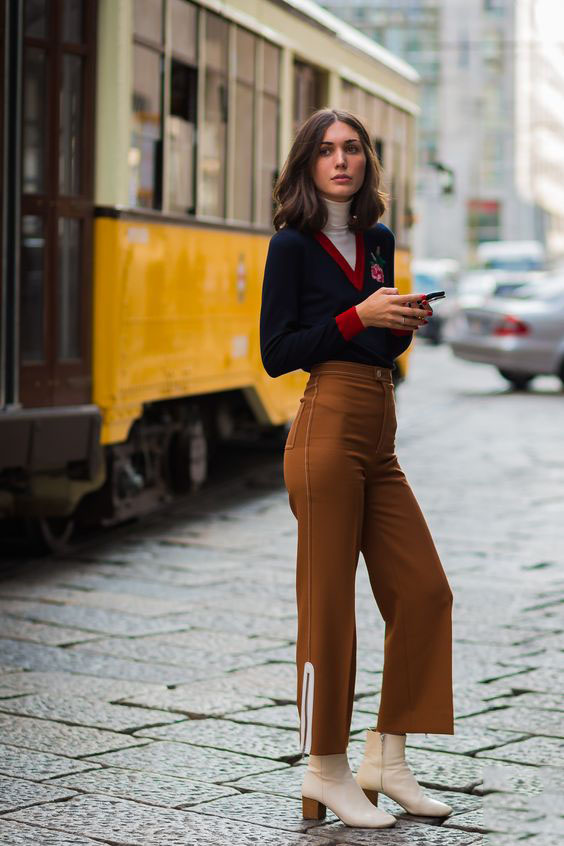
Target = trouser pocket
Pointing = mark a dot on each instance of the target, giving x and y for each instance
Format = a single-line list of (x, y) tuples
[(291, 439)]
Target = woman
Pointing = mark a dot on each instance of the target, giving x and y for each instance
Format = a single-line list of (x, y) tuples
[(329, 307)]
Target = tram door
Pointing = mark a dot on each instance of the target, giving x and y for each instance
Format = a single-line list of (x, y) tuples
[(57, 201)]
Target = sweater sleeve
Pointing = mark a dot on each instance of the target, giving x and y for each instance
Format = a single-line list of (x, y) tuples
[(284, 345)]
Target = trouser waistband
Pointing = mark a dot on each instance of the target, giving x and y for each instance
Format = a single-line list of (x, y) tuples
[(369, 372)]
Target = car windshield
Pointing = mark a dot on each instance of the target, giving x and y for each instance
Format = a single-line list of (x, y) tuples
[(546, 290), (516, 263)]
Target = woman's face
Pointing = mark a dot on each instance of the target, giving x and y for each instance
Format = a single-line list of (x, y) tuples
[(339, 168)]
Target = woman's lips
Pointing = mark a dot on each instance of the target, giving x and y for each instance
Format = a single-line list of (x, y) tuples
[(341, 179)]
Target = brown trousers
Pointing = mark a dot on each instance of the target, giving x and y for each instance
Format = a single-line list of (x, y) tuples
[(349, 495)]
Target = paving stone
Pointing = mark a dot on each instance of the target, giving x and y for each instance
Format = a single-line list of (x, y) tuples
[(153, 788), (200, 640), (480, 632), (542, 681), (466, 740), (33, 656), (109, 601), (187, 761), (286, 716), (91, 619), (238, 623), (284, 782), (544, 751), (278, 812), (544, 701), (84, 711), (71, 684), (17, 762), (552, 659), (550, 723), (404, 833), (275, 681), (46, 736), (204, 698), (19, 834), (19, 793), (17, 629), (133, 824), (202, 663), (509, 777), (266, 742)]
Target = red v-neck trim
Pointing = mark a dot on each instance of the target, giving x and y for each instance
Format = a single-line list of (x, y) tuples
[(355, 276)]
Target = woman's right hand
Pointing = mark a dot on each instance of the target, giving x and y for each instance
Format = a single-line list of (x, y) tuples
[(389, 310)]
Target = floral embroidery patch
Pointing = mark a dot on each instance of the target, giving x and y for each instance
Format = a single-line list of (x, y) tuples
[(377, 266)]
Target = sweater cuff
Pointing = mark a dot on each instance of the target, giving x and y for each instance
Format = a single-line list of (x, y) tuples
[(349, 323)]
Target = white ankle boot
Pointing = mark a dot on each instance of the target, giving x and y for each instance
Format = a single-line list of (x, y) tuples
[(329, 783), (384, 770)]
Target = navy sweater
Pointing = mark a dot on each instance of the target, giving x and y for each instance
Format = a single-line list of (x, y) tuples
[(309, 295)]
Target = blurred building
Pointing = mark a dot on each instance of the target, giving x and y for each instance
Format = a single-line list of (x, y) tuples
[(490, 155)]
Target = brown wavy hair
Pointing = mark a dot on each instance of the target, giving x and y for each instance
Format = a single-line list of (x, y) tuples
[(298, 203)]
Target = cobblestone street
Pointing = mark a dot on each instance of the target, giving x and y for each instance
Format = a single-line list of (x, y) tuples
[(147, 687)]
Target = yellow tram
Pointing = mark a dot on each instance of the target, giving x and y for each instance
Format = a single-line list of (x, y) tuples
[(140, 143)]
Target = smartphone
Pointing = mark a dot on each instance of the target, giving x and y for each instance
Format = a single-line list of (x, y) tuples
[(436, 295)]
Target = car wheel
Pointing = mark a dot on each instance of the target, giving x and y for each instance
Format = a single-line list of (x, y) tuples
[(519, 381)]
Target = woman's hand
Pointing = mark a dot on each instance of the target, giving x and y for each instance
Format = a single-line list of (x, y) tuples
[(389, 310)]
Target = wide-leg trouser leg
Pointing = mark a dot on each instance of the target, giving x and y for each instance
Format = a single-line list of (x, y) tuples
[(415, 600), (327, 500)]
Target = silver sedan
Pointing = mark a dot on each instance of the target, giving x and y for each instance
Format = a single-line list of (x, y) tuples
[(521, 335)]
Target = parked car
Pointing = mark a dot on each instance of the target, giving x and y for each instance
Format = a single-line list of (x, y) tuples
[(436, 275), (511, 255), (476, 286), (521, 335)]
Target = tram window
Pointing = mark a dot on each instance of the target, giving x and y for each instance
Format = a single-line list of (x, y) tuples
[(379, 148), (68, 295), (269, 157), (35, 18), (184, 31), (72, 21), (271, 73), (270, 111), (148, 20), (146, 135), (309, 84), (182, 137), (244, 125), (215, 118), (34, 120), (32, 292), (70, 141)]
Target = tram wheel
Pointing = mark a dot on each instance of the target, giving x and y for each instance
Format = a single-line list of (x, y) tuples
[(188, 458), (49, 534)]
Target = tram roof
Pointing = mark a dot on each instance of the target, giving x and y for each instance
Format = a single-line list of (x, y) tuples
[(353, 37)]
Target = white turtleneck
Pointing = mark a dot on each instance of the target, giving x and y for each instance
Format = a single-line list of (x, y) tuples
[(337, 229)]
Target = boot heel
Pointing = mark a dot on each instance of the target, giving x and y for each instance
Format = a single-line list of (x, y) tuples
[(372, 795), (312, 809)]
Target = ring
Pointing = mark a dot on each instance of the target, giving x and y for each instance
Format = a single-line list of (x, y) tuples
[(403, 319)]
